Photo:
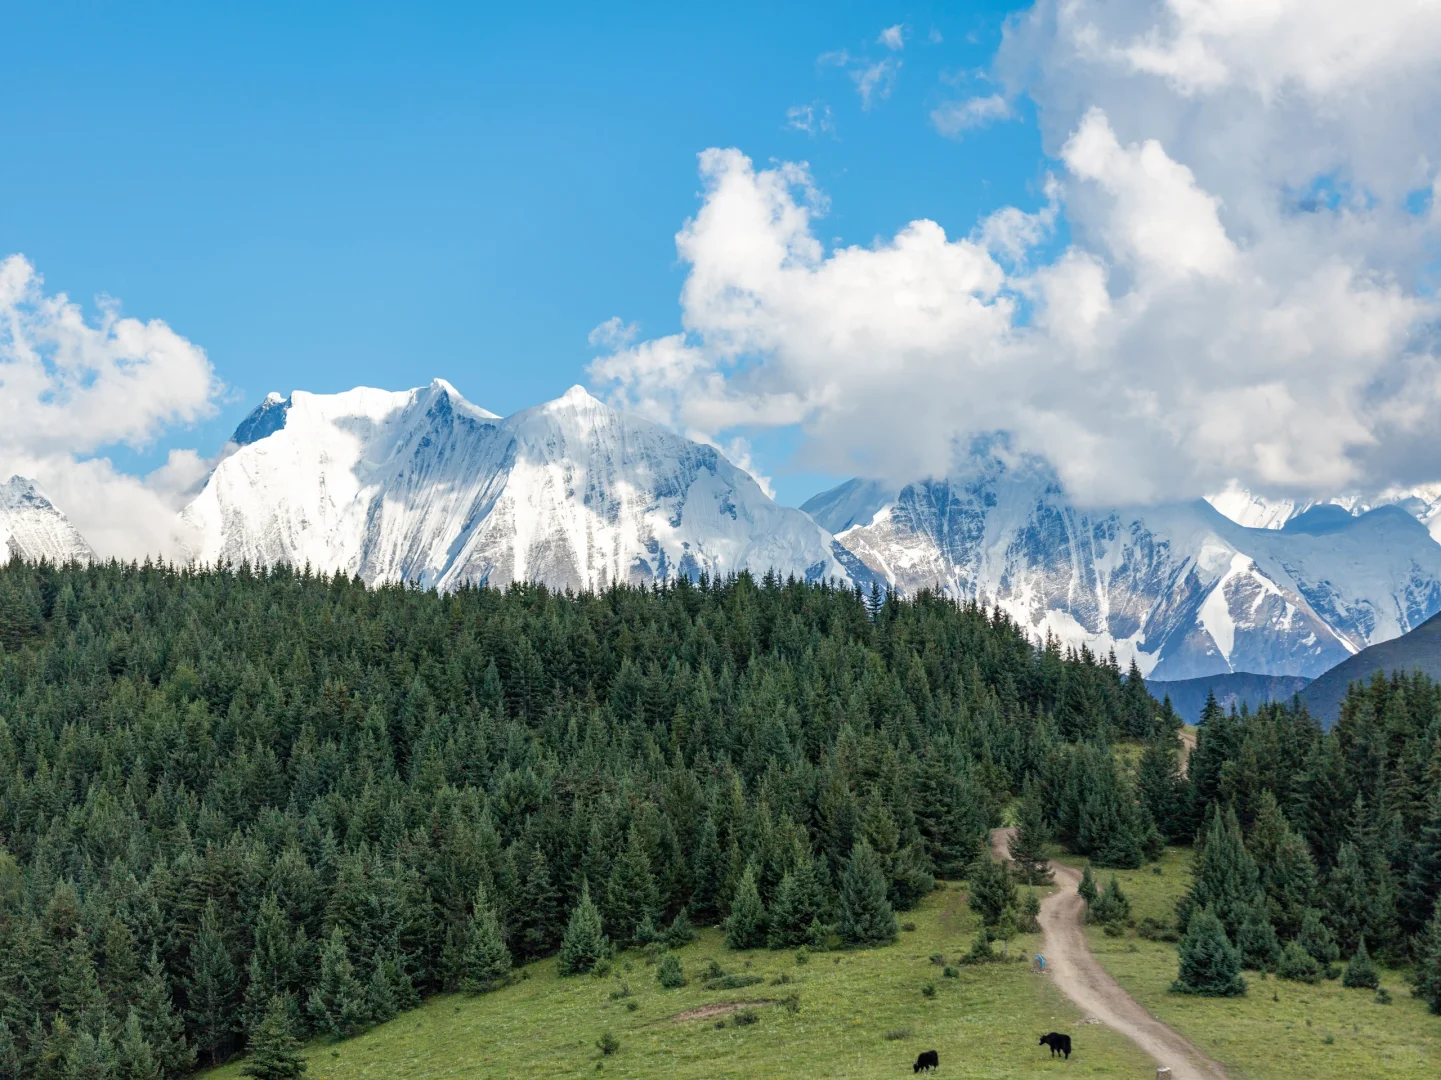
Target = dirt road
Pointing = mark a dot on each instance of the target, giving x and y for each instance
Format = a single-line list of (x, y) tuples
[(1081, 978)]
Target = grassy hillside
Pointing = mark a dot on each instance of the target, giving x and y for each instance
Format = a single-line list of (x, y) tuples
[(1279, 1029), (862, 1014), (1419, 650)]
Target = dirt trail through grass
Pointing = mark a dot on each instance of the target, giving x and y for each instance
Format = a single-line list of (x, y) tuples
[(1079, 976)]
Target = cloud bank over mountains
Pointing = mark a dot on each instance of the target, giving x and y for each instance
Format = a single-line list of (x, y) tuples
[(70, 387), (1246, 294)]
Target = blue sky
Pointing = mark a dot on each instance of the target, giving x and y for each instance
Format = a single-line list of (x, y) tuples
[(329, 195)]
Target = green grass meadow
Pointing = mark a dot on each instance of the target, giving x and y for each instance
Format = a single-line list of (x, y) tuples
[(985, 1023), (1278, 1029)]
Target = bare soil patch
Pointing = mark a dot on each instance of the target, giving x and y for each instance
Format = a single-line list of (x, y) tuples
[(719, 1008)]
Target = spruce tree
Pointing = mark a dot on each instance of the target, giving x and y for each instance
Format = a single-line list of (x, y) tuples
[(1360, 972), (537, 908), (796, 905), (584, 943), (1316, 939), (1158, 786), (706, 874), (381, 1004), (1428, 967), (1288, 874), (1028, 845), (1225, 876), (1087, 888), (1297, 965), (1256, 939), (632, 895), (274, 1050), (1210, 964), (746, 923), (992, 889), (214, 987), (1112, 906), (337, 1000), (680, 932), (866, 916), (485, 960), (92, 1057), (162, 1027), (1419, 891), (669, 972)]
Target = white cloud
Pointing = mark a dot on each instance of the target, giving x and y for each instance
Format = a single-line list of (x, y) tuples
[(1194, 330), (614, 333), (874, 79), (70, 387), (814, 119), (953, 118), (893, 37)]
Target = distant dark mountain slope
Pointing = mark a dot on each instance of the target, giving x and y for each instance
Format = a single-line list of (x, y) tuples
[(1420, 650), (1188, 696)]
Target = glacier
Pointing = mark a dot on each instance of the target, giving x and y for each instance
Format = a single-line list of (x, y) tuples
[(422, 486)]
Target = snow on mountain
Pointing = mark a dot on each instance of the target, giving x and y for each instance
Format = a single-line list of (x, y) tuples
[(1181, 588), (422, 486), (1423, 502), (855, 502), (33, 528)]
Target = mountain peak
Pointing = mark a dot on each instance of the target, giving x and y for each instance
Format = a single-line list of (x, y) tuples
[(576, 397), (33, 528)]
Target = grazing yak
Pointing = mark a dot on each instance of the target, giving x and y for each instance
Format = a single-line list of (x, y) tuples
[(1059, 1044), (927, 1061)]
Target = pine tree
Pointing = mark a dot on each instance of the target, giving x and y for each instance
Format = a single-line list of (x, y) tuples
[(669, 972), (1158, 785), (1112, 906), (1087, 888), (1210, 965), (1288, 874), (1428, 967), (485, 962), (381, 1004), (214, 986), (584, 943), (337, 1001), (1360, 971), (797, 904), (92, 1057), (746, 923), (274, 1051), (537, 908), (1031, 913), (1028, 845), (866, 916)]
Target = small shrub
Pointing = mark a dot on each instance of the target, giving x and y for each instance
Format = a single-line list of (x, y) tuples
[(745, 1018), (731, 982), (908, 927), (791, 1003), (951, 973), (938, 958), (669, 972), (897, 1034), (802, 956), (981, 951), (622, 990), (607, 1044), (714, 971), (782, 979), (1114, 929), (653, 952), (1383, 996), (929, 990), (1297, 965), (602, 969), (1157, 870), (720, 1024), (680, 932), (1361, 972), (632, 1006), (1329, 1039), (1157, 930)]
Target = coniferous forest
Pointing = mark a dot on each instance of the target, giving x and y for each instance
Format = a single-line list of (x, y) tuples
[(240, 807)]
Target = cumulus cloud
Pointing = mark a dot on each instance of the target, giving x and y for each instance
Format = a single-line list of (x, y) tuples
[(893, 37), (70, 387), (1245, 194)]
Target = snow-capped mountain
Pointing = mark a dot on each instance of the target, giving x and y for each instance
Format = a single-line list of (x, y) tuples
[(33, 528), (422, 486), (1181, 588), (1244, 507)]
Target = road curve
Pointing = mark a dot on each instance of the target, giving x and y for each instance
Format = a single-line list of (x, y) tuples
[(1078, 975)]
